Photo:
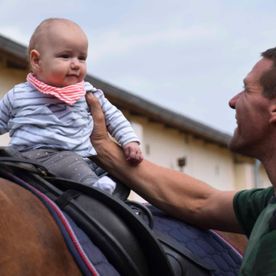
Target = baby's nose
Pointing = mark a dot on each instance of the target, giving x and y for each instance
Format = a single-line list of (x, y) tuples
[(75, 63)]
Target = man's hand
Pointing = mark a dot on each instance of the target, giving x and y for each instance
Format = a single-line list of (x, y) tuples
[(99, 130), (133, 153)]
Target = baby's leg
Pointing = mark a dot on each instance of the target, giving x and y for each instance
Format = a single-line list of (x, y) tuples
[(65, 164), (69, 165), (105, 183)]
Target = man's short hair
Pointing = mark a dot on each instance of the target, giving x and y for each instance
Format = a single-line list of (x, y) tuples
[(268, 79)]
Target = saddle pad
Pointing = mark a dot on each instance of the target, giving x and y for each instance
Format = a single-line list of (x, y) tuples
[(207, 245)]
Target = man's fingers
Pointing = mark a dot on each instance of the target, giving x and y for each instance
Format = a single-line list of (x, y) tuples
[(95, 107), (99, 129)]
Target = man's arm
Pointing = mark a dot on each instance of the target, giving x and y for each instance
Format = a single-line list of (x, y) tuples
[(176, 193)]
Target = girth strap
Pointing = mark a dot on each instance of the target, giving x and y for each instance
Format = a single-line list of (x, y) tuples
[(66, 198)]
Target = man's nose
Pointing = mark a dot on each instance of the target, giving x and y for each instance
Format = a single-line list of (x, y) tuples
[(232, 102)]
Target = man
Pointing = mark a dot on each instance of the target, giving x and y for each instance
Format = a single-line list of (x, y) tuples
[(249, 212)]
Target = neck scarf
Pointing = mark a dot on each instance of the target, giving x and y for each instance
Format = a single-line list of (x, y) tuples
[(68, 94)]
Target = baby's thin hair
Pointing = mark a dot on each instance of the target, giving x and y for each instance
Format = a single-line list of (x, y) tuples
[(35, 38)]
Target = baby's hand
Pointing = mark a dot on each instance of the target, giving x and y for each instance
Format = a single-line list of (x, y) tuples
[(133, 153)]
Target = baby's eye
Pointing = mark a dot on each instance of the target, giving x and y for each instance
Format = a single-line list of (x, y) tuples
[(83, 58), (64, 56)]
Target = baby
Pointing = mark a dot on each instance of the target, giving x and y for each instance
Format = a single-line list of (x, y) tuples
[(47, 117)]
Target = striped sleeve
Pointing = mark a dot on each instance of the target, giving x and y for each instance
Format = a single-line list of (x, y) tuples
[(6, 111), (117, 124)]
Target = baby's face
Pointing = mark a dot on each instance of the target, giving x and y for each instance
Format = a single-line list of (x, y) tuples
[(62, 55)]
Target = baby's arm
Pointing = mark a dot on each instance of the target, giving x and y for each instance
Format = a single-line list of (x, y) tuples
[(120, 129), (5, 111), (133, 153)]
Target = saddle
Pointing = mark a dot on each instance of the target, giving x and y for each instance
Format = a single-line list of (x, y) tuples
[(136, 239)]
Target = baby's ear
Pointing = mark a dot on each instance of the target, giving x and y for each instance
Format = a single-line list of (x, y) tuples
[(34, 60)]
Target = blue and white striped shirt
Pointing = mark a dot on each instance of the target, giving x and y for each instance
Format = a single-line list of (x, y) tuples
[(35, 120)]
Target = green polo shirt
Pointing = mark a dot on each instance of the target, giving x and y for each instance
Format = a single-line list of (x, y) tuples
[(254, 209)]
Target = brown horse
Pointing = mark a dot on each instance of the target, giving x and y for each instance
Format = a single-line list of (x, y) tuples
[(30, 241), (238, 241)]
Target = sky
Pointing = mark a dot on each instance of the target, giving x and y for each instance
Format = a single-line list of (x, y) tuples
[(187, 56)]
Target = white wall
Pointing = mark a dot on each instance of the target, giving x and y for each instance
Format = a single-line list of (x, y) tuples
[(212, 164), (205, 161)]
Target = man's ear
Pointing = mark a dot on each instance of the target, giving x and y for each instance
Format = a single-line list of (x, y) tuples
[(34, 60), (272, 112)]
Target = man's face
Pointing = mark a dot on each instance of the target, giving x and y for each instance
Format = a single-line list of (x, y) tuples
[(252, 114)]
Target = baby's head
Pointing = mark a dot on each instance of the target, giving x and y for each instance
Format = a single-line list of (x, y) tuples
[(58, 51)]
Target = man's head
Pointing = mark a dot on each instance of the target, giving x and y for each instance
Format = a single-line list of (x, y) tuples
[(58, 51), (256, 109)]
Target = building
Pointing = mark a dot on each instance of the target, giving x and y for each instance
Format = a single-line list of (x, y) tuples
[(168, 138)]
